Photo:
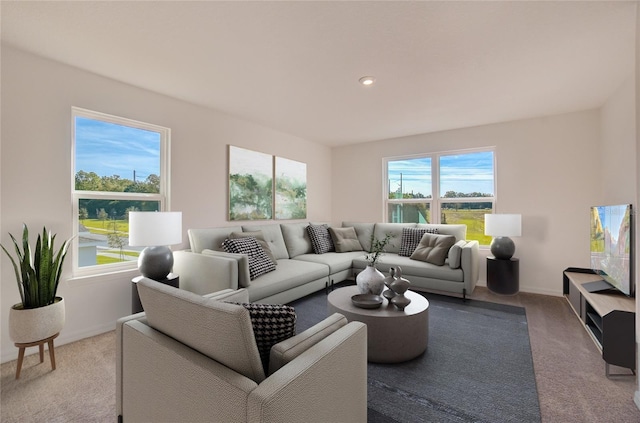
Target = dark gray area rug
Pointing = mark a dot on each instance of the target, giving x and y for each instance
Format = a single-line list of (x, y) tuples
[(477, 367)]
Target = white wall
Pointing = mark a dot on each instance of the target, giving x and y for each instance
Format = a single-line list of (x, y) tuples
[(618, 148), (37, 96), (547, 169)]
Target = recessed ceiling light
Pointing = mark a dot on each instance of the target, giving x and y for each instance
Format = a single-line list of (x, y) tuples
[(367, 80)]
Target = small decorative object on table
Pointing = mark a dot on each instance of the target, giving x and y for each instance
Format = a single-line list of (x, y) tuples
[(367, 300), (371, 280), (399, 286), (388, 293)]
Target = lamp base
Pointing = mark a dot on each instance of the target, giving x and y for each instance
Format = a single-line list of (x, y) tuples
[(155, 262), (502, 247)]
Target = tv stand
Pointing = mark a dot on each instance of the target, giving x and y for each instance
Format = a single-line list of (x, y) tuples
[(609, 318), (599, 286)]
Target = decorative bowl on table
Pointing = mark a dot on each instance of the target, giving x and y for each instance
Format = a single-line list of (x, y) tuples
[(367, 300)]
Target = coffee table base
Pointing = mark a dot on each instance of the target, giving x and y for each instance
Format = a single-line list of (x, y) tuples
[(393, 336)]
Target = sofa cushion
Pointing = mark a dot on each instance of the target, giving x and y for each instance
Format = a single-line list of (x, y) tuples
[(272, 323), (320, 238), (259, 261), (285, 351), (411, 238), (364, 232), (259, 237), (433, 248), (412, 269), (273, 235), (455, 254), (209, 238), (296, 238), (290, 274), (214, 328), (395, 231), (345, 239), (337, 262)]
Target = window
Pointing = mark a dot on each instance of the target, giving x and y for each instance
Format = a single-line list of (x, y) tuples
[(119, 165), (450, 187)]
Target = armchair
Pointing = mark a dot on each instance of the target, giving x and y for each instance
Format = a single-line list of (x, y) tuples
[(193, 358)]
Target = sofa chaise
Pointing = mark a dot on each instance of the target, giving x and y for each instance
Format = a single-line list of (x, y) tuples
[(206, 267)]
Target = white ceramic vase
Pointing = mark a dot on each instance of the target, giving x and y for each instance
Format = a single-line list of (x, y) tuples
[(35, 324), (370, 281)]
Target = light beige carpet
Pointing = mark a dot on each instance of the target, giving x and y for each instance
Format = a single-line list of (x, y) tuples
[(570, 377)]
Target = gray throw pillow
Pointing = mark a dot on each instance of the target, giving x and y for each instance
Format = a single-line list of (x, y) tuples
[(455, 254), (433, 248), (259, 262), (411, 238), (345, 239)]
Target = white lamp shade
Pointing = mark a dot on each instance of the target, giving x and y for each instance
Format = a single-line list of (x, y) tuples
[(155, 228), (503, 224)]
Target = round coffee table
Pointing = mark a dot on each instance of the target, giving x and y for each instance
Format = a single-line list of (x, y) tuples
[(393, 336)]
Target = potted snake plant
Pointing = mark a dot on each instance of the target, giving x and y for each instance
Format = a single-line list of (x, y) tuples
[(41, 313)]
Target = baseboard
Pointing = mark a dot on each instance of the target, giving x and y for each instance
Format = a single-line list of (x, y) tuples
[(10, 354)]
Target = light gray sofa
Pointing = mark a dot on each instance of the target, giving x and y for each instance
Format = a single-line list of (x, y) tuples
[(206, 268), (190, 358)]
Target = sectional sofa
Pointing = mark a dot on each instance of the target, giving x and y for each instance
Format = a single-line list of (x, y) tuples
[(206, 267)]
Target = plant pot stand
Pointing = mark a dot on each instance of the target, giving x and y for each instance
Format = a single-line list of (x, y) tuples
[(40, 344)]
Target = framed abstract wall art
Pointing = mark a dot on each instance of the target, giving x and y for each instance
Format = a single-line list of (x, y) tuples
[(291, 189), (250, 185)]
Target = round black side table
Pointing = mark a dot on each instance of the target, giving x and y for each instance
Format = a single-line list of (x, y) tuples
[(503, 275)]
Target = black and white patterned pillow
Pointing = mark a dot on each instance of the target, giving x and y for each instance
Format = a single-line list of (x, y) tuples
[(411, 238), (320, 238), (272, 323), (259, 261)]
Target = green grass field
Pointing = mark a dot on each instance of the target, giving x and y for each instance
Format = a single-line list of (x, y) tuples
[(474, 219), (97, 226)]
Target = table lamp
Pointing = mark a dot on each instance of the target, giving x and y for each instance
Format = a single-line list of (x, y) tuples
[(155, 231), (501, 227)]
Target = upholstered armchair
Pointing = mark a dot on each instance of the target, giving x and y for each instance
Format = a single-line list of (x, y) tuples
[(190, 358)]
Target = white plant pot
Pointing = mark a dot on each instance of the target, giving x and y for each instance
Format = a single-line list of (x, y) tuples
[(35, 324)]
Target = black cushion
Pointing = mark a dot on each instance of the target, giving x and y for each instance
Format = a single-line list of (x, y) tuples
[(320, 238), (272, 323), (259, 261)]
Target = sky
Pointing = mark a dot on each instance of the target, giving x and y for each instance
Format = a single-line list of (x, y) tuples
[(110, 149), (469, 172)]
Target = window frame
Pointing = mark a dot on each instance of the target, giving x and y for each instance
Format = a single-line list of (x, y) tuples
[(436, 200), (163, 197)]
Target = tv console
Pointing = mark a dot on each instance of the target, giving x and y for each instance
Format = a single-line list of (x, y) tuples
[(608, 316)]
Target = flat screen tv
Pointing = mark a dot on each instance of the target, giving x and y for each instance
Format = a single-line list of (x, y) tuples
[(612, 248)]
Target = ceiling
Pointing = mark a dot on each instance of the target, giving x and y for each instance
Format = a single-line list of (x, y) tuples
[(294, 66)]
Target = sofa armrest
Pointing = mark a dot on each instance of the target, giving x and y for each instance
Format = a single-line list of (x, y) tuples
[(204, 274), (470, 264), (330, 379), (285, 351), (231, 295)]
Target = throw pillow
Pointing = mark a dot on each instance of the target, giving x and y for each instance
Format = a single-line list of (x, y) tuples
[(411, 238), (259, 262), (259, 236), (272, 323), (345, 239), (320, 238), (455, 254), (433, 248)]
